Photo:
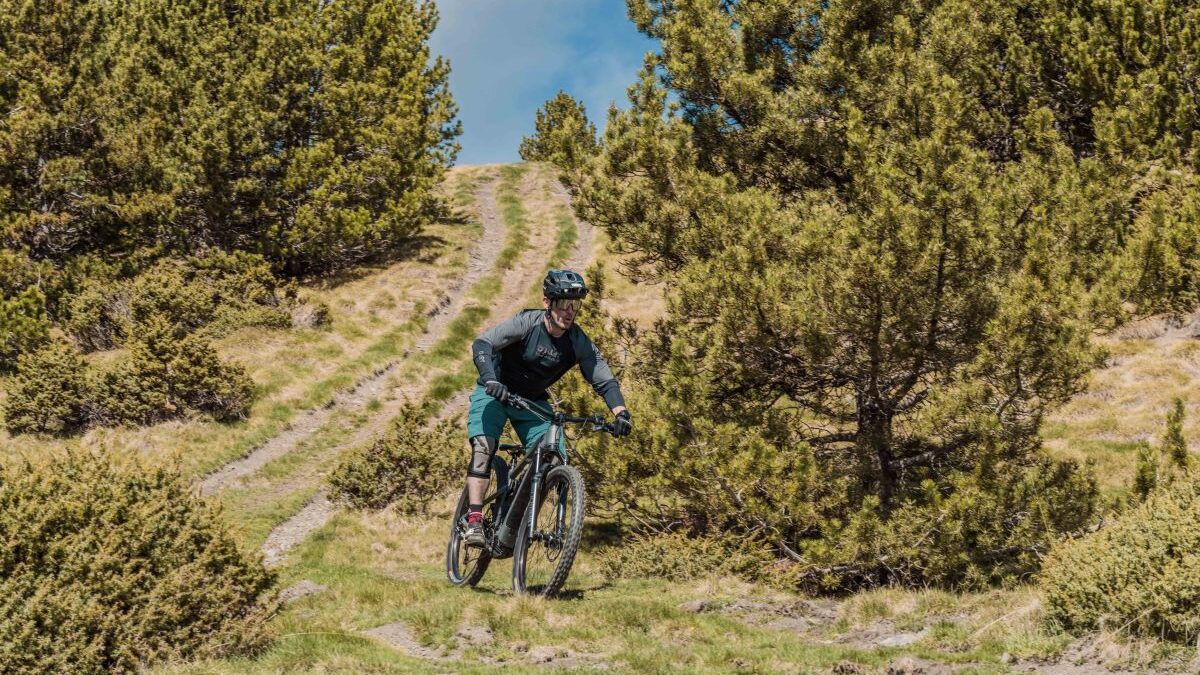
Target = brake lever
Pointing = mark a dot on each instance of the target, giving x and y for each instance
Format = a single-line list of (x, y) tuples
[(605, 426)]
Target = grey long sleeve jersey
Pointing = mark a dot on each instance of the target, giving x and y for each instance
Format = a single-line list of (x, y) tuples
[(523, 355)]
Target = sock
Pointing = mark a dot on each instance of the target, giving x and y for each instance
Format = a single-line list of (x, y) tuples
[(474, 513)]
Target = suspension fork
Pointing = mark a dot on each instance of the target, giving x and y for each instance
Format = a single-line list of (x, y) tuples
[(534, 491)]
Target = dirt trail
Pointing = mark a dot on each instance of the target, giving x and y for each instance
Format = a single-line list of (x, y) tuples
[(516, 285), (513, 299), (376, 384), (581, 254)]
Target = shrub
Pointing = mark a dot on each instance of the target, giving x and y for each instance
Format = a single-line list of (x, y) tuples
[(164, 376), (409, 465), (216, 289), (50, 392), (23, 326), (678, 557), (972, 529), (1174, 444), (96, 316), (1141, 573), (108, 569)]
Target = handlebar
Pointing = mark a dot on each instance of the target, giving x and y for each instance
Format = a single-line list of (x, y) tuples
[(597, 422)]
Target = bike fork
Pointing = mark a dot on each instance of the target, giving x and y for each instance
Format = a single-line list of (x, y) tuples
[(533, 494)]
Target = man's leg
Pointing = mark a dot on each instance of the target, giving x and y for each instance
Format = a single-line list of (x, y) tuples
[(483, 448)]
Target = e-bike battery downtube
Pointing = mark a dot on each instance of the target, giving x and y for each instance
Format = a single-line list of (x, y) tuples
[(506, 532)]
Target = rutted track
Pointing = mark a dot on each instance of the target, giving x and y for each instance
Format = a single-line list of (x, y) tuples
[(581, 253), (518, 282), (372, 386)]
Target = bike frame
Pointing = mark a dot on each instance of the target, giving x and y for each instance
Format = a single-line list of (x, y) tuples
[(513, 490)]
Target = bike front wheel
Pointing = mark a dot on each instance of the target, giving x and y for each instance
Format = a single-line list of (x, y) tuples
[(544, 555)]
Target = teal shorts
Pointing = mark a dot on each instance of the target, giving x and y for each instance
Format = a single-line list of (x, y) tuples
[(486, 417)]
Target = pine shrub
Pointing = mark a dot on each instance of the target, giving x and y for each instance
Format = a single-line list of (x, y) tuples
[(96, 315), (23, 326), (113, 569), (409, 466), (1174, 444), (1140, 574), (215, 290), (166, 375), (50, 393)]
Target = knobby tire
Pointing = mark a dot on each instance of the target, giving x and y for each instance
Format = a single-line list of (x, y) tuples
[(528, 550)]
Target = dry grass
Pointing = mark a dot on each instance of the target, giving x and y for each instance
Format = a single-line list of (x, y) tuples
[(641, 302), (1127, 401)]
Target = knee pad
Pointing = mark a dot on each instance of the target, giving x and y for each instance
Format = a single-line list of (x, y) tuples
[(483, 448)]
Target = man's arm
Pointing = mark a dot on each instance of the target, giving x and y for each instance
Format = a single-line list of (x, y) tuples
[(596, 371), (484, 348)]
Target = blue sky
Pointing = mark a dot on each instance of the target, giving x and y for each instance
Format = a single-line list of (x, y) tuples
[(508, 57)]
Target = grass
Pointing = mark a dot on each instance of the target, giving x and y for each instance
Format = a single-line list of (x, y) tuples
[(380, 568), (1126, 402)]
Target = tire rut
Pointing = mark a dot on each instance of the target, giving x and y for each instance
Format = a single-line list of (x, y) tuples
[(517, 283), (581, 254), (374, 385)]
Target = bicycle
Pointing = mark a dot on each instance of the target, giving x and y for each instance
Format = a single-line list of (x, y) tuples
[(542, 541)]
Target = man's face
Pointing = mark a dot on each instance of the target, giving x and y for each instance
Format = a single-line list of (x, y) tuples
[(562, 312)]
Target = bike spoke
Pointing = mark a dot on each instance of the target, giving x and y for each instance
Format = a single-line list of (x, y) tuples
[(546, 543)]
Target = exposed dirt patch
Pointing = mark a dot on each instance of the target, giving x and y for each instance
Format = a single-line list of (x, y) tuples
[(585, 233), (1099, 653), (300, 589), (397, 636), (910, 665)]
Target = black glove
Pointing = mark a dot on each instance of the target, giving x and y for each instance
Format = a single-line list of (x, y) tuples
[(496, 390), (622, 425)]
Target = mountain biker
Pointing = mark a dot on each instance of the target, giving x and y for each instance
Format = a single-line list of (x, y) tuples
[(525, 355)]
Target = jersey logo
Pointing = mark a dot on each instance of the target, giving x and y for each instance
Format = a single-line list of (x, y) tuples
[(548, 352)]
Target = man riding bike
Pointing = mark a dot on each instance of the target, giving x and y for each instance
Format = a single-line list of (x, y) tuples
[(525, 355)]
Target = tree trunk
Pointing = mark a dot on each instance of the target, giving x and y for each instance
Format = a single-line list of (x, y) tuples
[(874, 440)]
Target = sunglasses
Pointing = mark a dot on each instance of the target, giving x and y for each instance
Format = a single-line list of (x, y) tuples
[(564, 303)]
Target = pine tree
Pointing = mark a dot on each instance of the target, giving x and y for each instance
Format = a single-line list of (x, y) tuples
[(310, 133), (1146, 476), (1174, 444), (562, 135), (894, 223)]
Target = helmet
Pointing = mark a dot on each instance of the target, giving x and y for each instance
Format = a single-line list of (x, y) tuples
[(563, 284)]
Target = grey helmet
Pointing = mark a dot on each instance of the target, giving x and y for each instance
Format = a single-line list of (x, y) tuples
[(563, 284)]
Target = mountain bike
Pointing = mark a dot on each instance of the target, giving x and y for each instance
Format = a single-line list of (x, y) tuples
[(533, 510)]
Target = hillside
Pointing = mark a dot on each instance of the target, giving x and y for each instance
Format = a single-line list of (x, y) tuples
[(365, 592)]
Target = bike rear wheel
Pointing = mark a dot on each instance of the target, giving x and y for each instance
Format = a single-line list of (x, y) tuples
[(543, 557), (465, 565)]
